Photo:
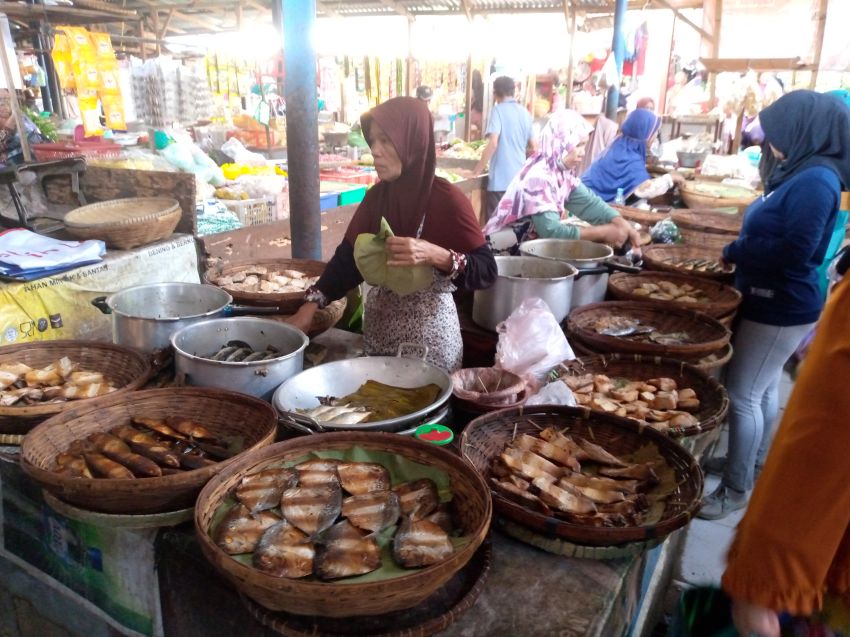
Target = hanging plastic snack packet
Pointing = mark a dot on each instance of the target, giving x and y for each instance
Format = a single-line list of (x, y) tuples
[(90, 114), (103, 46), (61, 55), (113, 110), (108, 77)]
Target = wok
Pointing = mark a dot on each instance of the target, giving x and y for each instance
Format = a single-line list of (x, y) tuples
[(340, 378)]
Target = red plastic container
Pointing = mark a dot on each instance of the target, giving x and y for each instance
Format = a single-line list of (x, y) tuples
[(51, 152)]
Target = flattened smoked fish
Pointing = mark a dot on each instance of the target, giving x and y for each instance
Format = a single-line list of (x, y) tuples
[(343, 551)]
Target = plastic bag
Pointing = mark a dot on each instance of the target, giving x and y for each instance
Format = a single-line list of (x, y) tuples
[(665, 231), (235, 149), (531, 342), (555, 393)]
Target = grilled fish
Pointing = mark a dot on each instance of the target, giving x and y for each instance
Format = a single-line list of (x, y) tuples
[(74, 467), (363, 477), (239, 531), (314, 473), (263, 490), (193, 430), (602, 483), (598, 454), (116, 449), (419, 498), (642, 472), (420, 543), (103, 467), (344, 552), (284, 551), (159, 426), (190, 456), (547, 450), (442, 517), (561, 499), (520, 496), (146, 445), (312, 509), (372, 511)]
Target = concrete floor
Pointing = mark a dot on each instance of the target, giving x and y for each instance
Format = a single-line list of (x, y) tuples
[(704, 555)]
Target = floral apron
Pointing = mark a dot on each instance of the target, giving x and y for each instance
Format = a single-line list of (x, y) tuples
[(427, 317)]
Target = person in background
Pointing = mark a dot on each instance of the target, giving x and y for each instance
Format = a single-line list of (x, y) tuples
[(647, 103), (791, 551), (623, 166), (476, 109), (10, 140), (509, 136), (424, 93), (601, 137), (783, 241), (434, 225), (546, 188)]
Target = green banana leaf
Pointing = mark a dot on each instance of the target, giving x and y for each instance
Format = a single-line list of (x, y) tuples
[(370, 255)]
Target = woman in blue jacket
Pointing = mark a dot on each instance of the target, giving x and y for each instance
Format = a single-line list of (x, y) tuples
[(783, 240)]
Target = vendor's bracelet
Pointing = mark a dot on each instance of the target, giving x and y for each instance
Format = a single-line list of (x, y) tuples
[(458, 264), (315, 295)]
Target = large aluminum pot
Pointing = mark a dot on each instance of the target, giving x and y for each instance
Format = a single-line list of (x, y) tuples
[(340, 378), (258, 378), (594, 262), (145, 316), (522, 278)]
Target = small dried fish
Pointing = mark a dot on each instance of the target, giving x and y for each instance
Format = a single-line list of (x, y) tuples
[(284, 551), (420, 543), (193, 429), (159, 427), (372, 511), (103, 467), (343, 551), (146, 445), (312, 509), (363, 477), (116, 449), (263, 490), (443, 518), (418, 499), (239, 531)]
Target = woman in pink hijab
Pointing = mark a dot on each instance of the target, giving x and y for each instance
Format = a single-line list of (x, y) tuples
[(547, 190)]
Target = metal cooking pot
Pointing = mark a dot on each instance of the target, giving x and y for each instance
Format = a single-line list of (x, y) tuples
[(522, 278), (594, 261), (145, 316), (259, 378), (340, 378)]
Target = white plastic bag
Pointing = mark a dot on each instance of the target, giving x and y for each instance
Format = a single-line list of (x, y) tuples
[(555, 393), (531, 342), (236, 150)]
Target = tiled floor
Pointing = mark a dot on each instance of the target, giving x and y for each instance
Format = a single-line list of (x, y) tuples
[(707, 541)]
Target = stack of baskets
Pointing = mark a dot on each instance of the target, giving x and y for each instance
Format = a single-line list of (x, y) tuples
[(707, 227), (719, 300), (677, 333), (125, 223), (683, 259), (708, 194)]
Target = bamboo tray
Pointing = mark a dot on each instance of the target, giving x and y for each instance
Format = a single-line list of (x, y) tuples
[(709, 221), (473, 508), (433, 615), (665, 257), (722, 299), (288, 302), (706, 194), (646, 218), (125, 223), (485, 438)]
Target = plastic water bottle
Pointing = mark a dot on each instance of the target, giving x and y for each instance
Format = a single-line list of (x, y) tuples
[(620, 199)]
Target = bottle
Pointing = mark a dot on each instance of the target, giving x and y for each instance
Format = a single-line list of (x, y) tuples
[(620, 199)]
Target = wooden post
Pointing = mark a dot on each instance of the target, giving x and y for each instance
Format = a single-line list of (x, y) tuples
[(822, 8), (467, 132), (572, 18), (155, 17), (10, 82), (662, 107)]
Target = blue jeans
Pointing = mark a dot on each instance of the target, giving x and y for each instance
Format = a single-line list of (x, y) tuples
[(752, 381)]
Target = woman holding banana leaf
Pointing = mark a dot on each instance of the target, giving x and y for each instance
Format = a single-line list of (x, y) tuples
[(414, 236)]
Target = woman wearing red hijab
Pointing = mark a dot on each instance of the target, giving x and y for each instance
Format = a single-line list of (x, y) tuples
[(434, 225)]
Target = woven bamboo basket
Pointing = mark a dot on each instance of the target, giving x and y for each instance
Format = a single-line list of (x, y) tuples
[(125, 223), (728, 320), (431, 617), (288, 302), (709, 221), (705, 334), (222, 412), (722, 299), (665, 257), (711, 364), (126, 368), (646, 218), (714, 401), (472, 503), (708, 240), (323, 320), (486, 384), (696, 198), (486, 437)]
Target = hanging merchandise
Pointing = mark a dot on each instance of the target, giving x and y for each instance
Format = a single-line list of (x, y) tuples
[(61, 55), (113, 111)]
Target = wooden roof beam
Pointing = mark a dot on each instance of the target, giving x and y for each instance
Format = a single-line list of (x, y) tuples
[(742, 65), (395, 6), (686, 20), (468, 10)]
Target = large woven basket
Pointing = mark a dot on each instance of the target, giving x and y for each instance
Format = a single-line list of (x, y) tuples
[(222, 412), (711, 364), (125, 223), (664, 257), (486, 437), (323, 320), (722, 299), (288, 302), (709, 221), (646, 218), (472, 503), (695, 195), (707, 240), (714, 401), (126, 368), (705, 334)]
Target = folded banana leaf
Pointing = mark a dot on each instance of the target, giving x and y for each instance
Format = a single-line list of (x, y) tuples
[(370, 255), (386, 401)]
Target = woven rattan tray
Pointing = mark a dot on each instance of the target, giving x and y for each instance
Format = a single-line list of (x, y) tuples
[(666, 258), (709, 221), (722, 299), (125, 223), (484, 439)]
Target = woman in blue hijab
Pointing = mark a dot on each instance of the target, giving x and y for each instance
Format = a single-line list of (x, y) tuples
[(624, 163)]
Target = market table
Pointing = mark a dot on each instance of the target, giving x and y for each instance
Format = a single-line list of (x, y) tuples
[(60, 306)]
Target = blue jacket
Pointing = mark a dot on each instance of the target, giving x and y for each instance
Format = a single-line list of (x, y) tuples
[(783, 240)]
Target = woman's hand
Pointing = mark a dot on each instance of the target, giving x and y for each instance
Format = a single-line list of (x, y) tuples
[(678, 179), (303, 318), (755, 621), (408, 251)]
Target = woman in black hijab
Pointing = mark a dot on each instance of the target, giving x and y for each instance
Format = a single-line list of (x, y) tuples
[(783, 241)]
